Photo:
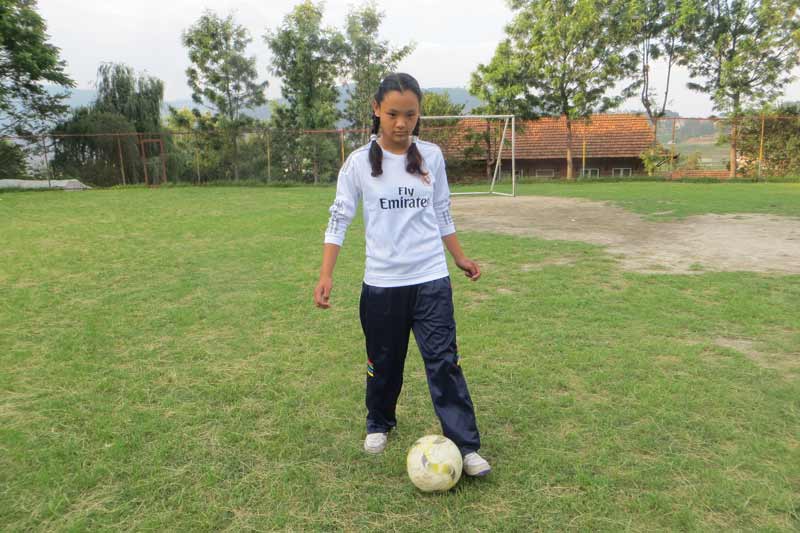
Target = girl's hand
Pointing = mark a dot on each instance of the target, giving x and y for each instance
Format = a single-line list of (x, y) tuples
[(322, 293), (470, 268)]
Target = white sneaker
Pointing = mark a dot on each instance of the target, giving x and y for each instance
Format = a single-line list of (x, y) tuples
[(475, 465), (375, 442)]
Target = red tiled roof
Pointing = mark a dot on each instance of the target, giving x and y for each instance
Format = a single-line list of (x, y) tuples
[(623, 135)]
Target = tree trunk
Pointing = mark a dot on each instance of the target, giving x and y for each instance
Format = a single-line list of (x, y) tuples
[(734, 128), (569, 149), (235, 156)]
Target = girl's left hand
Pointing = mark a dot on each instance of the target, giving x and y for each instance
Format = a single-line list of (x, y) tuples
[(470, 268)]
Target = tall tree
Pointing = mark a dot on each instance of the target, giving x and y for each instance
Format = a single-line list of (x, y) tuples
[(561, 58), (221, 76), (742, 51), (655, 33), (136, 97), (367, 61), (126, 103), (307, 58), (27, 61)]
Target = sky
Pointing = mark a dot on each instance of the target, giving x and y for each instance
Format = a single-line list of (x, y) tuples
[(452, 37)]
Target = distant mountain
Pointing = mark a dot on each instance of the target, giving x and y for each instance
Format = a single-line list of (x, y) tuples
[(458, 95), (76, 98), (261, 112), (84, 97)]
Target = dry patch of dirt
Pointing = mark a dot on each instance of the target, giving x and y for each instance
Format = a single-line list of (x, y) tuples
[(752, 243), (787, 363)]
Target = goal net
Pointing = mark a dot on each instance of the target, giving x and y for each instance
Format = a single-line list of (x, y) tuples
[(479, 151)]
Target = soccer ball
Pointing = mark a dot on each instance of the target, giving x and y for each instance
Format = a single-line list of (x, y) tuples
[(434, 463)]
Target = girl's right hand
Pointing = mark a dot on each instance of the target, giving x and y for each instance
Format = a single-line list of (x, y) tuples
[(322, 293)]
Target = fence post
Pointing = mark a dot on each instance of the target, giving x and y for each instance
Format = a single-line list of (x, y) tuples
[(197, 157), (144, 159), (46, 161), (654, 148), (269, 156), (121, 160), (164, 178), (672, 150), (583, 155), (341, 143), (761, 147)]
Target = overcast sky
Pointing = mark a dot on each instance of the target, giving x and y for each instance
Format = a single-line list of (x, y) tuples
[(452, 37)]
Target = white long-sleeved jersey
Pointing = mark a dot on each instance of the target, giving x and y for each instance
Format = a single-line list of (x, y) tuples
[(404, 217)]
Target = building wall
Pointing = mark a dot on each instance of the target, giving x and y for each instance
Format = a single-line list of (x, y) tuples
[(604, 166)]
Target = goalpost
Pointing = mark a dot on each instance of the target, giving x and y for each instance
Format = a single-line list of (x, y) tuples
[(490, 135)]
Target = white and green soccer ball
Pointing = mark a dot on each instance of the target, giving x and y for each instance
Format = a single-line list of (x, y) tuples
[(434, 463)]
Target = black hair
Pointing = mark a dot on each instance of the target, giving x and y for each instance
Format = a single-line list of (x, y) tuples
[(397, 81)]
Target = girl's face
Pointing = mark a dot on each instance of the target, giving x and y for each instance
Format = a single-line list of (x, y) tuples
[(399, 113)]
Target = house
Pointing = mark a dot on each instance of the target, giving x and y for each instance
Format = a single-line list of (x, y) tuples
[(611, 143)]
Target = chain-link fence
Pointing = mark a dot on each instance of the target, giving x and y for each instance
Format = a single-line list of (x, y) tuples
[(762, 147), (616, 146)]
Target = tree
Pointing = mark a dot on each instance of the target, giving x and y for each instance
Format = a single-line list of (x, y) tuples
[(12, 161), (655, 31), (199, 147), (27, 61), (307, 58), (561, 58), (83, 147), (742, 51), (367, 60), (138, 98), (221, 76), (126, 103), (439, 104)]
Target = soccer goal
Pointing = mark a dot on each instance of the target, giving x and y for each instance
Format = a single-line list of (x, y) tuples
[(479, 150)]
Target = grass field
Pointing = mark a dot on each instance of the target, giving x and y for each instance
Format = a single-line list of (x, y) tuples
[(162, 368)]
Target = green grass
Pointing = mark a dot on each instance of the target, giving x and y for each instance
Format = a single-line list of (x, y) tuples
[(678, 200), (162, 368)]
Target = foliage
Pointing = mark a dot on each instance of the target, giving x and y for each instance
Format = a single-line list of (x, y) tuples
[(27, 60), (781, 142), (138, 98), (439, 104), (221, 76), (12, 161), (654, 159), (199, 146), (655, 34), (561, 58), (741, 51), (367, 60), (307, 58), (126, 104), (91, 151)]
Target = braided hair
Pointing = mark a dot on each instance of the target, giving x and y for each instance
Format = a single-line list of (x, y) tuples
[(396, 82)]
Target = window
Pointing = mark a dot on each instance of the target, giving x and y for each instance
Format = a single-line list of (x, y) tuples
[(590, 173), (545, 173), (621, 172)]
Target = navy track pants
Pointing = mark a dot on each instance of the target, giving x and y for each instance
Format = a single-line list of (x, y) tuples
[(388, 315)]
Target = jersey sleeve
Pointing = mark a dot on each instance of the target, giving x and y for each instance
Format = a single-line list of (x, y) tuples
[(348, 194), (441, 198)]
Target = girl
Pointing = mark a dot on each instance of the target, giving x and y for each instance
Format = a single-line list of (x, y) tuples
[(402, 183)]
